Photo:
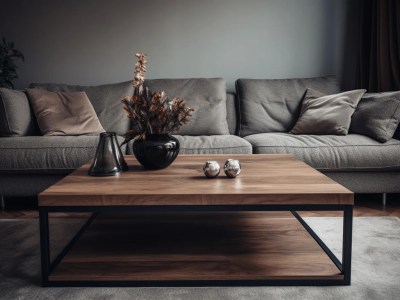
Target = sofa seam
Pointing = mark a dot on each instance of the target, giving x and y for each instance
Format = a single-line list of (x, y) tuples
[(312, 147), (40, 148), (215, 148), (28, 169), (95, 148), (239, 111)]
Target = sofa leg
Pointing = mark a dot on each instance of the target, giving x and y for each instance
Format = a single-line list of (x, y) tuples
[(384, 200), (2, 203)]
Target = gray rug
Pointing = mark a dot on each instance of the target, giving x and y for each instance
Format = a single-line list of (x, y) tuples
[(376, 266)]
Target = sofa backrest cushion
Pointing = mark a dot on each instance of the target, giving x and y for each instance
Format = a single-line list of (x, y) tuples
[(273, 105), (16, 116), (106, 101), (207, 96)]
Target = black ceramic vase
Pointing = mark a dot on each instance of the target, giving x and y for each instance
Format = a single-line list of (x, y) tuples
[(157, 151)]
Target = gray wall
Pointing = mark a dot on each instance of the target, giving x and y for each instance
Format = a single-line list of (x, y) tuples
[(93, 41)]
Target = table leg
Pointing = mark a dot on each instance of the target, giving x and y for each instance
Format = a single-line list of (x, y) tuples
[(384, 200), (347, 241), (44, 245), (345, 265)]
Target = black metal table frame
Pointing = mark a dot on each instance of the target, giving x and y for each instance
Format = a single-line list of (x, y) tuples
[(344, 266)]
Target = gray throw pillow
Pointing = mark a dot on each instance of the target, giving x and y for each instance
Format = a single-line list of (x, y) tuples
[(207, 96), (377, 116), (330, 114), (16, 116), (106, 101), (273, 105), (64, 113)]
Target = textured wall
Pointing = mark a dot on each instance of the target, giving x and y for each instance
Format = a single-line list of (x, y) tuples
[(93, 41)]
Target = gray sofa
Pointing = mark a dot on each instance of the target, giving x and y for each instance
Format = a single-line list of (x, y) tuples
[(259, 116)]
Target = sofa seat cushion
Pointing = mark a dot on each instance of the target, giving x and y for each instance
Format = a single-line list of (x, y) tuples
[(46, 154), (332, 153), (214, 144)]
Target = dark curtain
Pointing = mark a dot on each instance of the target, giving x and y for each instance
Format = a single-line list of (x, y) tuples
[(377, 66)]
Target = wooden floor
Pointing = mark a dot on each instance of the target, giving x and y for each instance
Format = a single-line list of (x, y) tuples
[(365, 205), (196, 246)]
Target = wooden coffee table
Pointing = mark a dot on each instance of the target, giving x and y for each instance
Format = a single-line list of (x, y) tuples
[(176, 227)]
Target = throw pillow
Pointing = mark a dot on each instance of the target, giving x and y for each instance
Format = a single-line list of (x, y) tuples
[(106, 101), (330, 114), (273, 105), (377, 116), (64, 113), (207, 96), (16, 116)]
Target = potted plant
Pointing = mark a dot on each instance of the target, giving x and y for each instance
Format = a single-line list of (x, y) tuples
[(8, 68), (154, 116)]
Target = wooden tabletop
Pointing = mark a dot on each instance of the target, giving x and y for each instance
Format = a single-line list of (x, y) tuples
[(265, 179)]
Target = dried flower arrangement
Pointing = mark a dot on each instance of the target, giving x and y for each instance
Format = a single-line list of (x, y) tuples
[(152, 112)]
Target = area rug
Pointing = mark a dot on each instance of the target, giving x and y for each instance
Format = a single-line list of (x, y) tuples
[(376, 266)]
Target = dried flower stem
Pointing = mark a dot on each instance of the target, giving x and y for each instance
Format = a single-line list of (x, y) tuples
[(140, 70), (152, 113)]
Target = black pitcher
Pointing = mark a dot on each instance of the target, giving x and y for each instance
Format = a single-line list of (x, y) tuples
[(109, 160)]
